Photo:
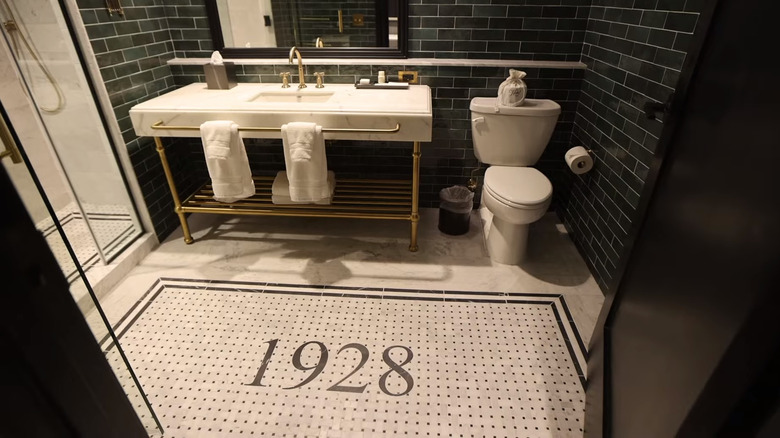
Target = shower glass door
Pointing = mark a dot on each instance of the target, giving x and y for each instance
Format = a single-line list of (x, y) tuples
[(28, 186), (76, 161)]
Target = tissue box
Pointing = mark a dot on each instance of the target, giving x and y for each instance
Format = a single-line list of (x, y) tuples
[(220, 77)]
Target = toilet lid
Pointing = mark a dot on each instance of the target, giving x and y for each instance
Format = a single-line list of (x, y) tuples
[(518, 186), (530, 107)]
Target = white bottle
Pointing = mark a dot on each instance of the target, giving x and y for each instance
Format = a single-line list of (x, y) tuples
[(382, 78)]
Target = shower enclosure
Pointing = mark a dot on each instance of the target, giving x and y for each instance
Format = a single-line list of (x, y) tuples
[(50, 102), (54, 144)]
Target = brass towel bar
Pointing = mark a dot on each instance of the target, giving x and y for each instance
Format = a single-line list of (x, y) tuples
[(160, 125)]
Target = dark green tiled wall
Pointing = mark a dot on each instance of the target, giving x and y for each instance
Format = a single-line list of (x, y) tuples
[(157, 30), (634, 50), (448, 159), (553, 30), (498, 29), (132, 51), (477, 29)]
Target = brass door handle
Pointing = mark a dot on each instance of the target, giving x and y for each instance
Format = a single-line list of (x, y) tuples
[(11, 149), (341, 21)]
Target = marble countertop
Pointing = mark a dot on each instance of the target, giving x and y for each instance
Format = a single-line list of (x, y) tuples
[(246, 97), (268, 105)]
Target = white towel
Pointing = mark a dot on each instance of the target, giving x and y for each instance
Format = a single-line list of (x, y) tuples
[(226, 160), (304, 158), (280, 190)]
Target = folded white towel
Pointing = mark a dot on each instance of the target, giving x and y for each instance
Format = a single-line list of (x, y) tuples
[(304, 158), (226, 160), (280, 190), (216, 138), (285, 200)]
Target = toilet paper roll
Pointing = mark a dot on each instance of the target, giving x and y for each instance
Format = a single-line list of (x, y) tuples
[(579, 160)]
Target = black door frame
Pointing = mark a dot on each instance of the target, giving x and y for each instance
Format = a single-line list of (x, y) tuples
[(758, 400), (599, 403)]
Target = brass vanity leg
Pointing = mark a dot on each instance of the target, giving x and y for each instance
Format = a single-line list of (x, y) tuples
[(415, 216), (174, 194)]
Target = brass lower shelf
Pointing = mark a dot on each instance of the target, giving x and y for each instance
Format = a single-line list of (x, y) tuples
[(353, 198)]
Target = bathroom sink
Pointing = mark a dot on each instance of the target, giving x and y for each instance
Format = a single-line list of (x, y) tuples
[(292, 96), (343, 111)]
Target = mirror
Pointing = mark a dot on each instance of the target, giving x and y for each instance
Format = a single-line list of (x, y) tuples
[(319, 28)]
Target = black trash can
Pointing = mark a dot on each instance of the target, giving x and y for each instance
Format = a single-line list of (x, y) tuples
[(455, 210)]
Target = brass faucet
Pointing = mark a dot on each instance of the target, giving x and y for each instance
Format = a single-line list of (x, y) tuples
[(294, 52), (285, 79), (319, 76)]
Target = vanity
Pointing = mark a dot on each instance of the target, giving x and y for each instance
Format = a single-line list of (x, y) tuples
[(343, 111)]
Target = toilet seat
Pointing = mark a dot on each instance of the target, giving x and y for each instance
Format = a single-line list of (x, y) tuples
[(518, 187)]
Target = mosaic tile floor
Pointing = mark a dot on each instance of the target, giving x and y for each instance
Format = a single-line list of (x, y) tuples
[(112, 225), (347, 256), (234, 358)]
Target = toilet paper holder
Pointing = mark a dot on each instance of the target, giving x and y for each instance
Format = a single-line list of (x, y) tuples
[(580, 159)]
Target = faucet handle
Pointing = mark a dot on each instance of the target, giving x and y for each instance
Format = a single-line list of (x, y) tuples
[(285, 79), (319, 75)]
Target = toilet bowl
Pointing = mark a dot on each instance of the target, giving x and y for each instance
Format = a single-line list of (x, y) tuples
[(517, 197), (510, 139)]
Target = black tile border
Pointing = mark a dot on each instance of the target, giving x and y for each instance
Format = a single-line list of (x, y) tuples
[(159, 286)]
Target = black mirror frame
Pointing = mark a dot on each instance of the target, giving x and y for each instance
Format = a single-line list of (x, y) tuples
[(400, 52)]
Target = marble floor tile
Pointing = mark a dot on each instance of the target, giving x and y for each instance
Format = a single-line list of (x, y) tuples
[(212, 355)]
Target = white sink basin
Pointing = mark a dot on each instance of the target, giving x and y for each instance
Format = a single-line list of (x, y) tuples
[(293, 96)]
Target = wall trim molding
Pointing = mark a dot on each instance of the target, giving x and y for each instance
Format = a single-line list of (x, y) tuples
[(566, 65)]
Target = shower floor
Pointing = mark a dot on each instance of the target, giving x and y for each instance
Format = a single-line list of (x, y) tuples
[(304, 327), (112, 225)]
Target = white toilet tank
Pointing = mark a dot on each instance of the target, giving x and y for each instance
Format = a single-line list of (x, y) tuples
[(512, 136)]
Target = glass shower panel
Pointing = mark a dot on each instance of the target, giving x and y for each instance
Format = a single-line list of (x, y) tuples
[(24, 181), (52, 70), (50, 174)]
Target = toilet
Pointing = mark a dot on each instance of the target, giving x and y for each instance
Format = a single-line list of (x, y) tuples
[(510, 139)]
